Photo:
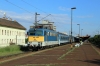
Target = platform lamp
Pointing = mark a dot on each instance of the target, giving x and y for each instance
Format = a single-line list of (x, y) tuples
[(71, 23)]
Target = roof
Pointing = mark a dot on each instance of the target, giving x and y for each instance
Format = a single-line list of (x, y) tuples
[(11, 24)]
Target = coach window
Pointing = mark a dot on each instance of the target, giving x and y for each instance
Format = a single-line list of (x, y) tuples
[(45, 32), (56, 34), (48, 34), (53, 34), (65, 38), (61, 37)]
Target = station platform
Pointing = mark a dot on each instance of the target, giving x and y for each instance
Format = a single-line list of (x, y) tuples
[(85, 55)]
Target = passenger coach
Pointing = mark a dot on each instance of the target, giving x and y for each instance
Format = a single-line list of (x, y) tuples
[(41, 38)]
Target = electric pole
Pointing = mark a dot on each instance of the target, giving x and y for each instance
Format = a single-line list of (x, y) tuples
[(36, 18)]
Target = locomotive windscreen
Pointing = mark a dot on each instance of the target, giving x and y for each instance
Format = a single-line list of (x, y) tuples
[(35, 33)]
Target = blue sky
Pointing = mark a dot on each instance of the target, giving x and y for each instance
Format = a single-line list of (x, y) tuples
[(86, 14)]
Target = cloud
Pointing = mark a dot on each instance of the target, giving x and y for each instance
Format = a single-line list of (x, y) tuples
[(14, 15), (61, 21), (87, 16), (64, 8), (27, 19)]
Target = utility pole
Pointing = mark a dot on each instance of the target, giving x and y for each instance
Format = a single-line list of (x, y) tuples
[(71, 24), (81, 32), (36, 18)]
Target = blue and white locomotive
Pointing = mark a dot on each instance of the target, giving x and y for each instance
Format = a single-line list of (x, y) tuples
[(41, 38)]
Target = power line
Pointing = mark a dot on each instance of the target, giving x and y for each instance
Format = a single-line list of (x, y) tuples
[(44, 17), (19, 7), (25, 9), (29, 11), (33, 6), (36, 8)]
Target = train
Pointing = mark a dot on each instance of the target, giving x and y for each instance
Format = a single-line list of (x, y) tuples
[(40, 38)]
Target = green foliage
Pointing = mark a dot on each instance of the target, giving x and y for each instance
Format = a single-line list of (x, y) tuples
[(9, 50), (95, 40), (26, 40)]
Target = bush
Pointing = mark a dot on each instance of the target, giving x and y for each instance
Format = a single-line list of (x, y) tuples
[(9, 50), (26, 40), (95, 40)]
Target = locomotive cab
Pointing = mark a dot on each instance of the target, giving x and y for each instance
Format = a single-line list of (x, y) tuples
[(35, 38)]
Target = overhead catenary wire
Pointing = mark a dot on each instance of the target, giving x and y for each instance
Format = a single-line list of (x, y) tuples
[(40, 10), (31, 12), (36, 8), (19, 7), (32, 6), (27, 10), (44, 17)]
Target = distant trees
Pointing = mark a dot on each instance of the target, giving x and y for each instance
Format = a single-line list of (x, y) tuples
[(26, 40), (95, 40)]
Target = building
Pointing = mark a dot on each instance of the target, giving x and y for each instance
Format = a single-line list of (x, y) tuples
[(50, 24), (45, 24), (11, 32)]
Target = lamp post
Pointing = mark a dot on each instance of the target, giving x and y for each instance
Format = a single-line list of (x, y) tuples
[(79, 29), (71, 23), (36, 18), (81, 32)]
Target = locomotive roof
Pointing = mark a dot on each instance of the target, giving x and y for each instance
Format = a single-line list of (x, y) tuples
[(42, 29), (47, 30)]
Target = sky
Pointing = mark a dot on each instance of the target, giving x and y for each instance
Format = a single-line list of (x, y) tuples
[(87, 14)]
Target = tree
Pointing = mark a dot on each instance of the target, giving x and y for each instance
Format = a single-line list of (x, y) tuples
[(26, 40)]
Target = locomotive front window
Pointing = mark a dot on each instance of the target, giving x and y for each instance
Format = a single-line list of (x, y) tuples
[(35, 33), (38, 33), (32, 33)]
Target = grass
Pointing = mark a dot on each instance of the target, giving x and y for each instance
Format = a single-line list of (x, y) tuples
[(69, 51), (9, 50)]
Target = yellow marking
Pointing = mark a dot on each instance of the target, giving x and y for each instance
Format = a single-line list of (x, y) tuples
[(36, 38)]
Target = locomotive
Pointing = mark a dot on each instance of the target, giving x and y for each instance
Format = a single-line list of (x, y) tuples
[(40, 38)]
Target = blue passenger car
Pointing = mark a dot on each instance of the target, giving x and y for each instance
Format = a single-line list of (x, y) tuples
[(40, 37), (63, 38)]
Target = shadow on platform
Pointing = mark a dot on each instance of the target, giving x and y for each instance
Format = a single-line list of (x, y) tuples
[(95, 61)]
